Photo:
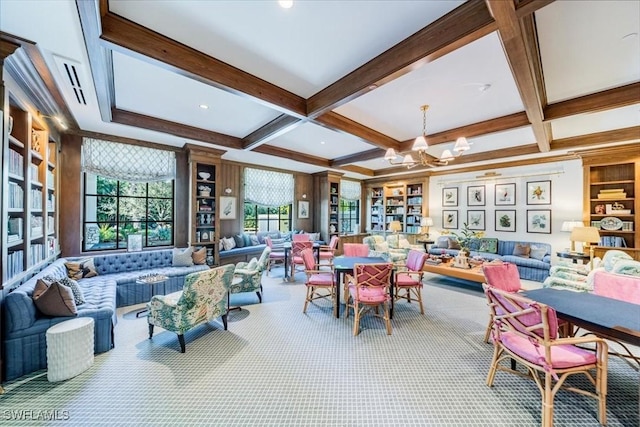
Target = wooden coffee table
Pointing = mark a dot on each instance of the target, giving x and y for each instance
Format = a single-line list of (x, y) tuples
[(447, 269)]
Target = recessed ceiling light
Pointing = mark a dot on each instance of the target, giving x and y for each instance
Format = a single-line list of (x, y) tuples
[(285, 4), (373, 86), (204, 106), (321, 142)]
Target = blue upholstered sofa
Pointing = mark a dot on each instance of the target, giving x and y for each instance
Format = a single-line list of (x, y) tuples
[(534, 266), (24, 328)]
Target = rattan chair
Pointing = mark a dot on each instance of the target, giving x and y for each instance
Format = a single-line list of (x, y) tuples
[(369, 290), (321, 279)]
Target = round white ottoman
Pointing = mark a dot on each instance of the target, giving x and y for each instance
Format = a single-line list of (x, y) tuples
[(69, 348)]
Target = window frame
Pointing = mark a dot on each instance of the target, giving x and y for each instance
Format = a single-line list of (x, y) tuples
[(344, 219), (281, 217)]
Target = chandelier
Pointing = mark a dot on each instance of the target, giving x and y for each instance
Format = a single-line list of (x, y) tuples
[(420, 147)]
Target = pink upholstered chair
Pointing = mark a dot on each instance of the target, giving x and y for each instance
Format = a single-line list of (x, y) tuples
[(274, 257), (356, 249), (328, 252), (295, 258), (501, 275), (302, 237), (320, 283), (526, 331), (369, 289), (409, 282)]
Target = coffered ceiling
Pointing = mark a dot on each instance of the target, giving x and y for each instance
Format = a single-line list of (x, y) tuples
[(332, 84)]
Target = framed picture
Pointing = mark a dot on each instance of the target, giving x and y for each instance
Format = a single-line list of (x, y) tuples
[(450, 219), (539, 221), (505, 220), (539, 192), (134, 243), (227, 207), (505, 194), (303, 209), (475, 220), (450, 196), (205, 236), (475, 195)]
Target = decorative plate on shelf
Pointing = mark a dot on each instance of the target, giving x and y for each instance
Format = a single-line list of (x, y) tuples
[(611, 223)]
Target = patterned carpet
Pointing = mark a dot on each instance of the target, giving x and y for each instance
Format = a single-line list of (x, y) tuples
[(276, 366)]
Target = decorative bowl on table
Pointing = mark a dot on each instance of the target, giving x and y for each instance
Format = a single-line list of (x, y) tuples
[(204, 175)]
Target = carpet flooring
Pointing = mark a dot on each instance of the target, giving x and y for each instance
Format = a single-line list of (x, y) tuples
[(276, 366)]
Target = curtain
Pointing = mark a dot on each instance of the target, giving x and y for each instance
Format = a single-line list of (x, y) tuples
[(350, 190), (127, 162), (268, 188)]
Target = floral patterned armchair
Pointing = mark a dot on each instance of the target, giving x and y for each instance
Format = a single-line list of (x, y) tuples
[(251, 275), (202, 299)]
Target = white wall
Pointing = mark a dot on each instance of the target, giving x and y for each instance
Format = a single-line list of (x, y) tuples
[(566, 200)]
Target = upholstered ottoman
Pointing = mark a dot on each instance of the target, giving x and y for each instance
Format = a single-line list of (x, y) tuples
[(69, 348)]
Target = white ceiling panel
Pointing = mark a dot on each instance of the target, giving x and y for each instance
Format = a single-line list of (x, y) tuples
[(597, 122), (588, 46), (173, 97), (451, 86), (302, 49)]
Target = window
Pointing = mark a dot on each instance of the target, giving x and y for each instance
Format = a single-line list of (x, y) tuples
[(350, 193), (114, 209), (263, 218)]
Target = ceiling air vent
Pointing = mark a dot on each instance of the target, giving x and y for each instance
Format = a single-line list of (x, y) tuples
[(72, 75)]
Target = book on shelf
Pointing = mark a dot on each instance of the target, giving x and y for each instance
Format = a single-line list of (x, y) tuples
[(612, 196), (612, 190)]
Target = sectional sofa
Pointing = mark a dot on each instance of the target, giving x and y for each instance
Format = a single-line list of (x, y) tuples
[(533, 259), (24, 327)]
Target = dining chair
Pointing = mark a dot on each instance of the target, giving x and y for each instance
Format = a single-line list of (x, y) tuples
[(527, 332), (501, 275), (302, 237), (327, 252), (356, 249), (274, 256), (321, 279), (368, 290), (296, 259), (408, 283)]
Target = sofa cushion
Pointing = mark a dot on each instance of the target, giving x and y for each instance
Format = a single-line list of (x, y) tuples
[(442, 242), (453, 244), (521, 250), (246, 239), (239, 240), (199, 256), (78, 297), (54, 299), (228, 243), (537, 252), (489, 245), (627, 266), (182, 257), (254, 239), (81, 268)]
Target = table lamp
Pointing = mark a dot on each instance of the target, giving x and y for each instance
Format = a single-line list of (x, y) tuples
[(426, 222), (587, 235), (569, 226), (395, 226)]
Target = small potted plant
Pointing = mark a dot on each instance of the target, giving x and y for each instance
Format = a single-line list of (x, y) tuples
[(205, 190)]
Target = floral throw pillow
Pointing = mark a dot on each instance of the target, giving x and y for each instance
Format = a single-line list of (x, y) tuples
[(83, 268)]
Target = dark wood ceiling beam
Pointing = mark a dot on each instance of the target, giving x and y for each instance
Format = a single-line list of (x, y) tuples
[(125, 140), (604, 100), (528, 7), (358, 169), (9, 44), (276, 127), (340, 123), (463, 25), (499, 124), (515, 47), (606, 137), (292, 155), (128, 37), (363, 156), (183, 131), (100, 58)]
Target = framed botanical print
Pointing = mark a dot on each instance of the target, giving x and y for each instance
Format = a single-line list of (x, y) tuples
[(505, 194), (539, 221), (476, 195), (475, 220), (450, 196), (227, 207), (539, 193), (303, 209), (450, 219), (505, 220)]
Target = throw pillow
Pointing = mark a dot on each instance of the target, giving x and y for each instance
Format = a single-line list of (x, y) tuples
[(228, 243), (314, 236), (182, 257), (247, 239), (252, 265), (382, 247), (627, 267), (78, 297), (489, 245), (442, 242), (221, 246), (199, 256), (83, 268), (453, 244), (54, 299), (239, 241), (521, 250), (538, 252), (254, 240), (404, 244)]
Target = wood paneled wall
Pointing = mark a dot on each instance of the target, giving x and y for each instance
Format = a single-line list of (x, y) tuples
[(70, 198), (231, 176), (304, 185)]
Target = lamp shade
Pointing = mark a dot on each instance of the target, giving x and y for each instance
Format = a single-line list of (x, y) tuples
[(461, 145), (408, 160), (390, 154), (420, 144), (395, 226), (570, 225), (426, 222), (585, 234), (446, 156)]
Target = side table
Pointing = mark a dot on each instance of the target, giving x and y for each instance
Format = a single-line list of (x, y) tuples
[(574, 256), (69, 348), (150, 280), (426, 243)]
